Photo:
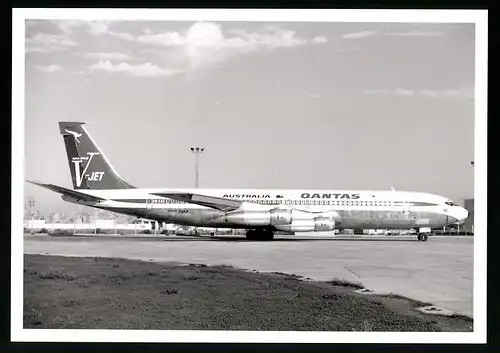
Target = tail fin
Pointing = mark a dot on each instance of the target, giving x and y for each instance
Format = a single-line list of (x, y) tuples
[(89, 167)]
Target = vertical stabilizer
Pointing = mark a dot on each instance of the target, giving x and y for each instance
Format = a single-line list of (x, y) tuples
[(88, 166)]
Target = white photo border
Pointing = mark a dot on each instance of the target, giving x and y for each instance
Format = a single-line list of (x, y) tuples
[(478, 17)]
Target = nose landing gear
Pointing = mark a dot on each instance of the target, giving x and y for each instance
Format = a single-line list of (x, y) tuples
[(422, 236)]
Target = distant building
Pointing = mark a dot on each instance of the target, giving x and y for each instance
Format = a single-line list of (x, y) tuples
[(469, 222)]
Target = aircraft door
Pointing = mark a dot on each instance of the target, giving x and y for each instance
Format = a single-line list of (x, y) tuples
[(408, 215), (149, 204), (406, 208)]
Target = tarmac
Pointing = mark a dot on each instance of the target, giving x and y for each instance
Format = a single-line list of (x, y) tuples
[(438, 271)]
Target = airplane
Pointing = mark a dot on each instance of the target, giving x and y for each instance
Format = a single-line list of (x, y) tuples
[(261, 212)]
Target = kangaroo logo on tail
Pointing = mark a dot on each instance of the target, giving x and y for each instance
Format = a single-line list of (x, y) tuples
[(76, 135)]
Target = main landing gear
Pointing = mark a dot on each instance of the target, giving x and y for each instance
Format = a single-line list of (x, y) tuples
[(422, 236), (260, 235)]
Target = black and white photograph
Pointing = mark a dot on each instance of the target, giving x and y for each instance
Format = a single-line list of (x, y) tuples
[(249, 175)]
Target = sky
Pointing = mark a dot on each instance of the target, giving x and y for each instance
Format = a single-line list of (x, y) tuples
[(290, 105)]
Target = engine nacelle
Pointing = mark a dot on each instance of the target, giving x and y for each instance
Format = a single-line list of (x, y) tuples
[(318, 224), (280, 216), (324, 224), (260, 218)]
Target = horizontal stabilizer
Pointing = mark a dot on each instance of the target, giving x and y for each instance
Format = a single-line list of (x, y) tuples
[(218, 203), (69, 192)]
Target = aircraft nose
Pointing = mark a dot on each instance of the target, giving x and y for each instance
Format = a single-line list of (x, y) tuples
[(464, 215), (457, 215)]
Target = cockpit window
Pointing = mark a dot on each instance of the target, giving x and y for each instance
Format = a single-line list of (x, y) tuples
[(449, 203)]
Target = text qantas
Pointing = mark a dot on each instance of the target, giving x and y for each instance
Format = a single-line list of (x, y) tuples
[(307, 195)]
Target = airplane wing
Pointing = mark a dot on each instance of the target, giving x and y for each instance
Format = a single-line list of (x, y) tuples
[(69, 192), (218, 203)]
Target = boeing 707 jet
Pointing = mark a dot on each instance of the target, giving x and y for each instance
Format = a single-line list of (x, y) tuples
[(261, 212)]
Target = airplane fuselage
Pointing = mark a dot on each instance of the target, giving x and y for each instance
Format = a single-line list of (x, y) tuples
[(348, 208)]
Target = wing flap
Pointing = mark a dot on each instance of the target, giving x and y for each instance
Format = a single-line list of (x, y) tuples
[(69, 192), (219, 203)]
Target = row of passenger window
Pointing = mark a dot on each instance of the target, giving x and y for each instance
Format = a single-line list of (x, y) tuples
[(322, 202), (295, 202)]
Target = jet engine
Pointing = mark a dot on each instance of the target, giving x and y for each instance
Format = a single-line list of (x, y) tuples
[(318, 224), (277, 216)]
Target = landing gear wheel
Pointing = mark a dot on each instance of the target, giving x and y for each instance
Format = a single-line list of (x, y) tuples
[(251, 235), (422, 237), (260, 235)]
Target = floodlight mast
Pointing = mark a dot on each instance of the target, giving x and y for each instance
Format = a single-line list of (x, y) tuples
[(197, 151)]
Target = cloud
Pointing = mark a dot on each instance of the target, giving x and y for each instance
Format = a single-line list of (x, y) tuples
[(358, 35), (123, 35), (243, 40), (413, 34), (210, 35), (93, 27), (66, 26), (366, 34), (140, 70), (349, 49), (428, 93), (49, 69), (31, 23), (449, 93), (320, 40), (42, 42), (205, 43), (163, 39), (103, 27), (200, 45), (98, 27), (403, 92), (107, 56)]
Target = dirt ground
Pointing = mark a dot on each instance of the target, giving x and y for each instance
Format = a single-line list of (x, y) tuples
[(105, 293)]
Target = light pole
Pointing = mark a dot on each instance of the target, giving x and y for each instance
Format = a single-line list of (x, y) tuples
[(31, 203), (197, 151)]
